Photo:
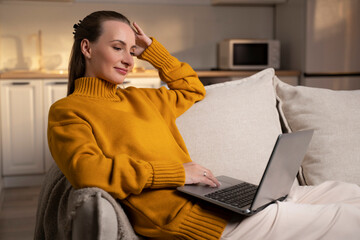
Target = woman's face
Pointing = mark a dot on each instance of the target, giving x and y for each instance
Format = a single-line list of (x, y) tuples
[(111, 56)]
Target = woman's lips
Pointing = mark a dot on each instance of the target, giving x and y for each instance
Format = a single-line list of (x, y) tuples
[(122, 71)]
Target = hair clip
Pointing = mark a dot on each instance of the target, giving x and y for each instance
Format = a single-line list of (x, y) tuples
[(76, 25)]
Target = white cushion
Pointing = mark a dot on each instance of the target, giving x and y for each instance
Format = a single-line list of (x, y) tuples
[(334, 152), (233, 130)]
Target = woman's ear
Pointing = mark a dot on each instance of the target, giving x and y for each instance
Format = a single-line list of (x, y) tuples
[(85, 48)]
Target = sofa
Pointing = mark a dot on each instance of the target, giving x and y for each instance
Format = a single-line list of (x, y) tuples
[(232, 132)]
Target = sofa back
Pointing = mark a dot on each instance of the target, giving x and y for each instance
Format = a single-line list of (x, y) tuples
[(233, 130)]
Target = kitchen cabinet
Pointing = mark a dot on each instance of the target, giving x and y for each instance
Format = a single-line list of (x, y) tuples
[(21, 127), (1, 178), (53, 91), (24, 107)]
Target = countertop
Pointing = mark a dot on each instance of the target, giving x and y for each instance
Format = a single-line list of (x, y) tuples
[(222, 73), (138, 74), (63, 74)]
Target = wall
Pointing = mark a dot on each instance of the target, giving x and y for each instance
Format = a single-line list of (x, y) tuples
[(189, 31)]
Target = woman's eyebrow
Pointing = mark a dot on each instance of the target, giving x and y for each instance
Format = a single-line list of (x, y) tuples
[(122, 42)]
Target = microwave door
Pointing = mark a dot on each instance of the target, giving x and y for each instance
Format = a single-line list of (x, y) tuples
[(250, 54)]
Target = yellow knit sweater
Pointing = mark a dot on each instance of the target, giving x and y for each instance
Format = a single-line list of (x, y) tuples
[(125, 141)]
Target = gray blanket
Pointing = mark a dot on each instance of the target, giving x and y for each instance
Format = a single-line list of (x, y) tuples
[(58, 203)]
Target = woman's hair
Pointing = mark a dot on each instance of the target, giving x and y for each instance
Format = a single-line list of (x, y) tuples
[(89, 28)]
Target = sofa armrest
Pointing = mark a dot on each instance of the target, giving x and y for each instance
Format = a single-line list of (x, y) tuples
[(95, 214), (87, 213), (95, 219)]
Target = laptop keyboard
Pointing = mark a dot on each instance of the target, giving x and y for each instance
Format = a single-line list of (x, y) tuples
[(238, 195)]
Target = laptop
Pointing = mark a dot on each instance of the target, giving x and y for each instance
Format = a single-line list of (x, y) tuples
[(279, 175)]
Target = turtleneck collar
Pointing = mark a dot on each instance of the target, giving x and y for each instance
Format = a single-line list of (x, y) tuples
[(96, 88)]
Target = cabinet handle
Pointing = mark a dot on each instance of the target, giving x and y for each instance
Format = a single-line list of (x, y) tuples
[(60, 83), (20, 83)]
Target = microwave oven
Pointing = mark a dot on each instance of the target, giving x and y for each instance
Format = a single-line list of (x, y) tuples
[(248, 54)]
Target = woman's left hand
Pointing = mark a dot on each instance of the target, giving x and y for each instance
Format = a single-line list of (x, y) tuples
[(142, 40)]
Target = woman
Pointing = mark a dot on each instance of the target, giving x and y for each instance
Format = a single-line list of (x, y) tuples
[(125, 141)]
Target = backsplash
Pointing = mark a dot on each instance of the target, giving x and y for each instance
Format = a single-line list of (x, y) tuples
[(37, 35)]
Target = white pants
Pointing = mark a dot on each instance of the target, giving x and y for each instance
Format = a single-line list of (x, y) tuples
[(328, 211)]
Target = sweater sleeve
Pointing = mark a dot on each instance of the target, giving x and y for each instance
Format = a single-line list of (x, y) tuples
[(183, 82), (76, 152)]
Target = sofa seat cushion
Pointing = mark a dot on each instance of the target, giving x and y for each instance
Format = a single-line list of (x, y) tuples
[(334, 152), (233, 130)]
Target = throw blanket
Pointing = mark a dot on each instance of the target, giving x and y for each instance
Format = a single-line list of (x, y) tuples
[(58, 203)]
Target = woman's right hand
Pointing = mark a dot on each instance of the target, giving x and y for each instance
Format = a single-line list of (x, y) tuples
[(195, 173), (142, 40)]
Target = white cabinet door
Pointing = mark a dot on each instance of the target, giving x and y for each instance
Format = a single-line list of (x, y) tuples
[(53, 91), (22, 127)]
